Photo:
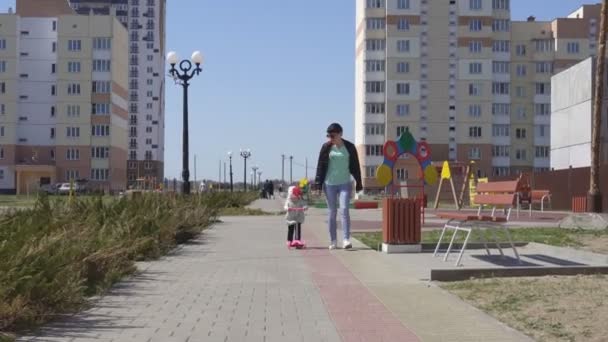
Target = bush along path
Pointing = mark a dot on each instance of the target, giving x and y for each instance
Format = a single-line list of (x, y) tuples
[(56, 254)]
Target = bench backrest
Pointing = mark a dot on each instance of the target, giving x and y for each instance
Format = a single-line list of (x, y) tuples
[(497, 194), (537, 195)]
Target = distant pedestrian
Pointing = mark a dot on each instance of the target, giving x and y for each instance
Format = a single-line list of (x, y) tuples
[(270, 190), (338, 161)]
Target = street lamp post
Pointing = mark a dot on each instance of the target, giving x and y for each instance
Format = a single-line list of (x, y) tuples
[(230, 160), (290, 169), (259, 177), (255, 172), (246, 154), (183, 78)]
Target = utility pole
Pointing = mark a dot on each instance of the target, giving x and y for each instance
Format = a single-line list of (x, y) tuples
[(594, 198), (283, 168), (306, 167), (219, 177), (290, 169), (224, 172), (196, 190)]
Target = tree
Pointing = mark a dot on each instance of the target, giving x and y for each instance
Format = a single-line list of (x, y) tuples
[(594, 198)]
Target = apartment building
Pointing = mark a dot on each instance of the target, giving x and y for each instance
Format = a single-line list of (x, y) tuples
[(63, 98), (464, 77), (145, 22)]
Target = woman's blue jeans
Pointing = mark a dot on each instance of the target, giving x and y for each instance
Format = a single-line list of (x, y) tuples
[(338, 194)]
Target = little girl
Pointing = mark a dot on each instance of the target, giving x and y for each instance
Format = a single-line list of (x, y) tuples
[(295, 207)]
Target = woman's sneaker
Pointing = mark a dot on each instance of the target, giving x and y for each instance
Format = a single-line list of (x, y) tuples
[(346, 244), (333, 245)]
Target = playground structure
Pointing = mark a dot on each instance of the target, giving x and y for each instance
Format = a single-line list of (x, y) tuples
[(464, 174)]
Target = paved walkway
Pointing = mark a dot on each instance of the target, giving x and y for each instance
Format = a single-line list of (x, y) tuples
[(239, 283)]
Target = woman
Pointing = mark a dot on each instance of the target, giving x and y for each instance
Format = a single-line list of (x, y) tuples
[(338, 161)]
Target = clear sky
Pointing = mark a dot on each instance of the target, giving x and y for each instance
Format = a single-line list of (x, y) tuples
[(276, 74)]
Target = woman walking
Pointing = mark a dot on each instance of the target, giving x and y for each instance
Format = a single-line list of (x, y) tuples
[(338, 161)]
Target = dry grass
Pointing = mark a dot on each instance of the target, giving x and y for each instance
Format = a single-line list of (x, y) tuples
[(545, 308)]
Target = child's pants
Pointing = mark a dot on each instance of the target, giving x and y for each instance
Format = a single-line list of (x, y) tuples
[(298, 232)]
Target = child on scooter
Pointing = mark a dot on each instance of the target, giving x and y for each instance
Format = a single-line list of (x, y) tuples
[(295, 207)]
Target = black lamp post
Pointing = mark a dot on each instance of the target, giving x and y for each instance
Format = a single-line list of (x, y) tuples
[(246, 154), (230, 158), (183, 78)]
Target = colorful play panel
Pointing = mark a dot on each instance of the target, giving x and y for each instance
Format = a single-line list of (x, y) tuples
[(406, 144)]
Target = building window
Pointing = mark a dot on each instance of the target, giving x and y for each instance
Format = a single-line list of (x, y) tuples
[(403, 88), (102, 65), (541, 130), (500, 151), (501, 46), (100, 130), (374, 129), (500, 88), (72, 174), (374, 65), (373, 150), (100, 174), (542, 152), (520, 91), (101, 87), (73, 111), (52, 111), (501, 67), (500, 4), (475, 89), (520, 133), (475, 68), (375, 3), (475, 132), (374, 108), (133, 155), (403, 110), (542, 109), (2, 109), (376, 23), (501, 25), (543, 45), (102, 43), (543, 88), (74, 45), (403, 24), (520, 50), (54, 47), (374, 87), (521, 70), (573, 47), (100, 108), (475, 153), (148, 141), (375, 44), (148, 129), (52, 135), (148, 155), (475, 46), (72, 154), (2, 87), (500, 130), (2, 66), (501, 109), (370, 171), (403, 67), (72, 132), (544, 67), (501, 171), (475, 111), (2, 44), (73, 89), (72, 67), (475, 25), (521, 154), (475, 5), (403, 45), (403, 4), (401, 130), (100, 152)]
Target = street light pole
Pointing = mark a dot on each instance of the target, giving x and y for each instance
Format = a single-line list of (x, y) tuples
[(245, 154), (183, 78), (259, 177), (290, 169), (231, 184), (255, 172), (282, 169)]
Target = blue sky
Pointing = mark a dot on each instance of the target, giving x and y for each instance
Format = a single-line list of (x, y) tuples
[(276, 74)]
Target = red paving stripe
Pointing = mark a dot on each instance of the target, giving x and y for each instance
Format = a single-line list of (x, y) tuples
[(357, 314)]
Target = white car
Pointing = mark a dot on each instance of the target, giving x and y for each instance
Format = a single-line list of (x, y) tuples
[(64, 188)]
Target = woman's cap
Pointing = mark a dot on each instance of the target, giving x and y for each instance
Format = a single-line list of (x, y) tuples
[(334, 128)]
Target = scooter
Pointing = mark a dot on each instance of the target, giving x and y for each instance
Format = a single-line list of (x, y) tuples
[(297, 244)]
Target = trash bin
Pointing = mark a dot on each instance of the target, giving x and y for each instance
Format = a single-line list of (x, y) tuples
[(401, 221)]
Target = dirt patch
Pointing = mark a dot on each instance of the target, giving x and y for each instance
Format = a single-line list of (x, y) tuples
[(597, 244), (545, 308)]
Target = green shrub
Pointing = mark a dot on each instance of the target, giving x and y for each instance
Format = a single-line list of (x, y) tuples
[(54, 255)]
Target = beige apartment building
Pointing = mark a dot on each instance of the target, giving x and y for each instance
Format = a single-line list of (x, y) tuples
[(464, 77), (63, 98)]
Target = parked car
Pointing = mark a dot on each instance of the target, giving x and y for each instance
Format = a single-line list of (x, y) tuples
[(64, 188), (50, 189)]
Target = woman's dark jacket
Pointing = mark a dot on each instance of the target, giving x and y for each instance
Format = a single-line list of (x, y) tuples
[(353, 164)]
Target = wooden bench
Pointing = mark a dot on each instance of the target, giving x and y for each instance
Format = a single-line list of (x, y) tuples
[(496, 195), (538, 197)]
